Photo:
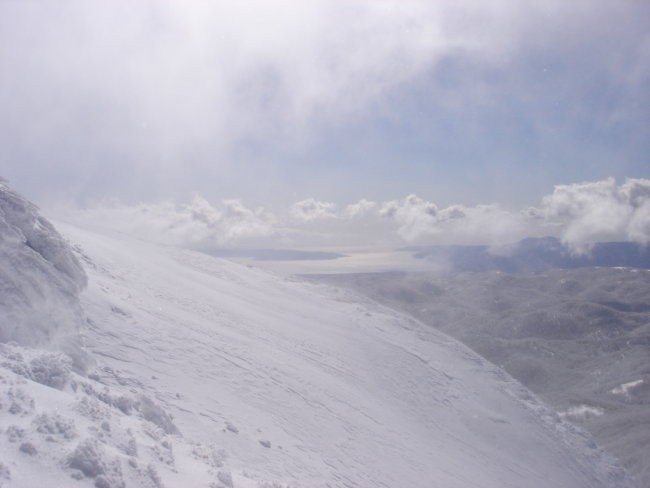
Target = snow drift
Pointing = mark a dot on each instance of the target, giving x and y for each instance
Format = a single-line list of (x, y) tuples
[(40, 279)]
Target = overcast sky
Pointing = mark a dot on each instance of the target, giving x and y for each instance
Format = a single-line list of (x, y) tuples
[(295, 105)]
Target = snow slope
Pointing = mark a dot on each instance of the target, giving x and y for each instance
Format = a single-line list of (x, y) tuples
[(578, 338), (295, 383), (209, 373)]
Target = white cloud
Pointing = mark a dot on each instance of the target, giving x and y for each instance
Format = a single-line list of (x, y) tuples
[(359, 209), (196, 224), (414, 216), (490, 224), (419, 220), (311, 209), (580, 214), (600, 211)]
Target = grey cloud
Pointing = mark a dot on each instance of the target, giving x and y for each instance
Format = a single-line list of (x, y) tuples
[(171, 86), (165, 93), (453, 212)]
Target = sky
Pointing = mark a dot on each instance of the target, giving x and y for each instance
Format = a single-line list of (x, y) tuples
[(286, 121)]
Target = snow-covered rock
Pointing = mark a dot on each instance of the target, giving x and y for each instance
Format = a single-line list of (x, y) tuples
[(79, 433), (40, 279)]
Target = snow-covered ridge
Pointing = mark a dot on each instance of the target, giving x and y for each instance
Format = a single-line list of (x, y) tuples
[(40, 279)]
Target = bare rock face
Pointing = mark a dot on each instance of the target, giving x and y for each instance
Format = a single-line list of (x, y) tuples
[(40, 279)]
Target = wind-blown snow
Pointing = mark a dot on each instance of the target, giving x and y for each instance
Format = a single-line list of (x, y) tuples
[(40, 279)]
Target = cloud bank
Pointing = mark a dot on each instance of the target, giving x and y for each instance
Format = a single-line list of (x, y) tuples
[(580, 214), (194, 224), (155, 98), (600, 211), (171, 90)]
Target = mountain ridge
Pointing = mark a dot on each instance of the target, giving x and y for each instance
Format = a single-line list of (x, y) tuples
[(533, 255)]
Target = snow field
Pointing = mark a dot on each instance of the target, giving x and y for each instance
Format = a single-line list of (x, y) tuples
[(322, 390)]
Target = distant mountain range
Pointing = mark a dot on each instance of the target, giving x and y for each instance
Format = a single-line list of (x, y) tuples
[(535, 254)]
